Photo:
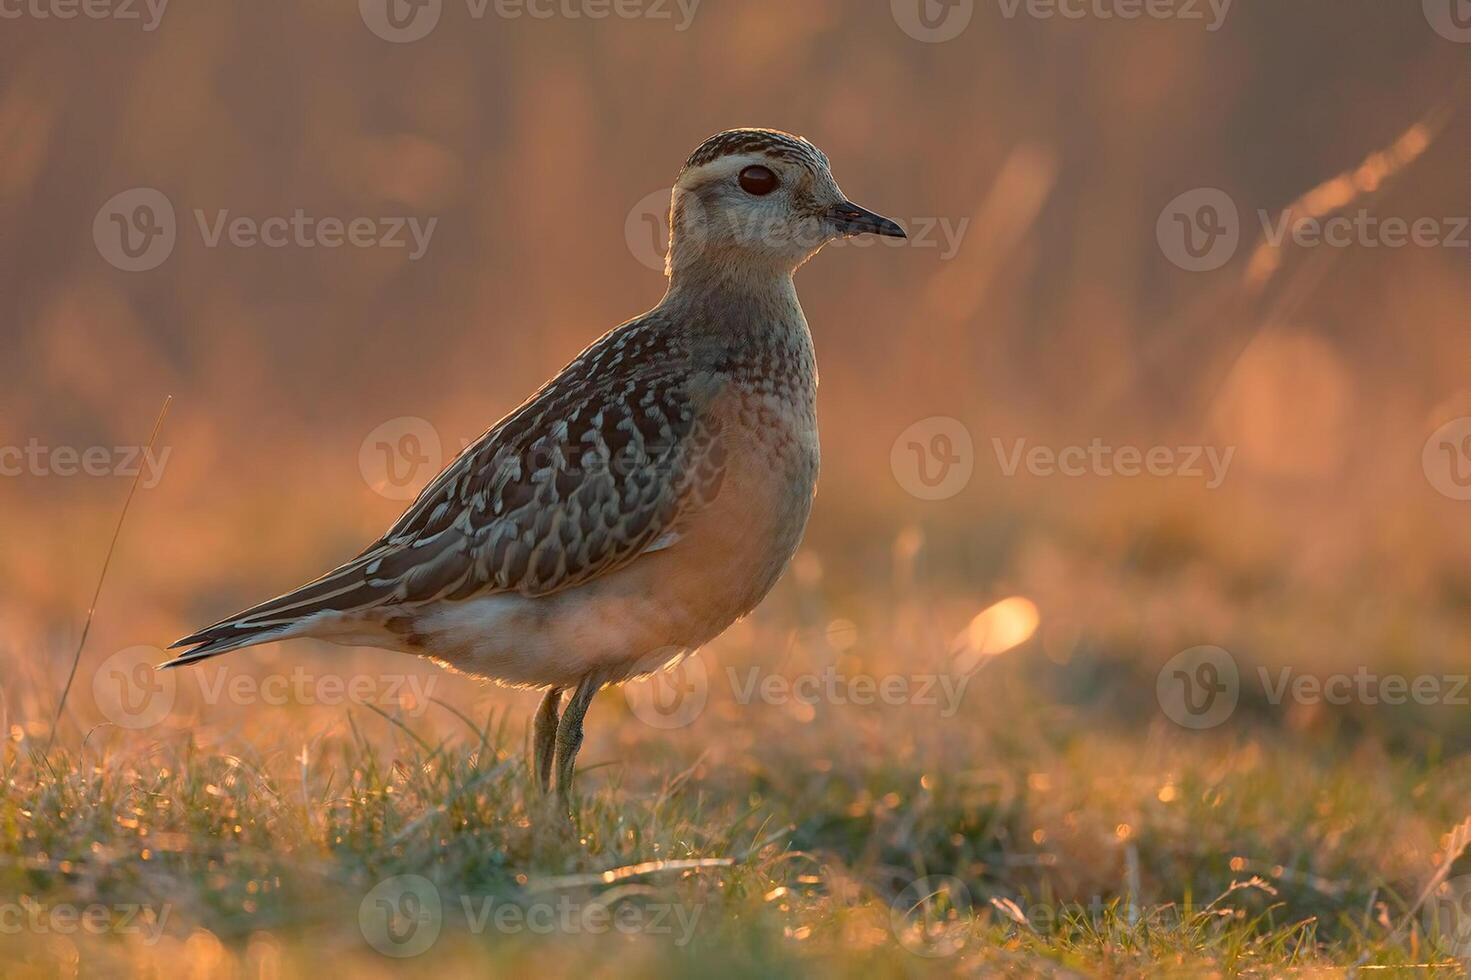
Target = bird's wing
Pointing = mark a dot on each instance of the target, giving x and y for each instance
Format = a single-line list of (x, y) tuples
[(595, 469)]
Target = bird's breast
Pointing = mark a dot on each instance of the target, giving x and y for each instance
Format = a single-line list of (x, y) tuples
[(756, 521)]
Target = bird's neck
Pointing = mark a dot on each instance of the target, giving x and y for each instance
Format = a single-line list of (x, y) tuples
[(746, 326), (733, 294)]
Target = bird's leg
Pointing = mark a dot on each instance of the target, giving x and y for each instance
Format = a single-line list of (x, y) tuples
[(545, 738), (569, 732)]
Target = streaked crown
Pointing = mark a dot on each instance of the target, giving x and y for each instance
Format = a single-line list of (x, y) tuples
[(772, 143)]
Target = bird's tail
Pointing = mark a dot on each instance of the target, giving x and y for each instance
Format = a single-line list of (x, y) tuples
[(286, 616), (222, 638)]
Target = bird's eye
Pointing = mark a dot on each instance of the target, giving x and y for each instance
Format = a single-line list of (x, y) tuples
[(758, 180)]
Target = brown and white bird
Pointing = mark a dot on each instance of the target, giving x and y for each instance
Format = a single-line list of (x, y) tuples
[(642, 500)]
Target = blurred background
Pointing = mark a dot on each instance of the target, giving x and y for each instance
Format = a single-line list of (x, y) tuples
[(458, 198), (1032, 157)]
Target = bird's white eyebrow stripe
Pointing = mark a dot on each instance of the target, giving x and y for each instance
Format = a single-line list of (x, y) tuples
[(718, 170)]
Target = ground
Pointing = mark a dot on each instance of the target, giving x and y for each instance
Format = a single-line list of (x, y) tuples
[(865, 777)]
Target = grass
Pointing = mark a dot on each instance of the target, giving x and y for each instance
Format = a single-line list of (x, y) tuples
[(1046, 819), (1246, 852)]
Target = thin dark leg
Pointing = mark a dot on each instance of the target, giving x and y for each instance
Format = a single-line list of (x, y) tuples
[(545, 739), (569, 732)]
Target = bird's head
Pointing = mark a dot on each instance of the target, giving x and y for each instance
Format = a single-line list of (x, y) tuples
[(763, 201)]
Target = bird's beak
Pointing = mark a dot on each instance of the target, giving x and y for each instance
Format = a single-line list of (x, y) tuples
[(849, 219)]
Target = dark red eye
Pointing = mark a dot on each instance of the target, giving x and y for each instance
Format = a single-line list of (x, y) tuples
[(758, 180)]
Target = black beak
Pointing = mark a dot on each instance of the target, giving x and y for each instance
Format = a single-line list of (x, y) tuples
[(850, 219)]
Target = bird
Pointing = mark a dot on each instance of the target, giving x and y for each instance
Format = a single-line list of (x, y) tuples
[(639, 502)]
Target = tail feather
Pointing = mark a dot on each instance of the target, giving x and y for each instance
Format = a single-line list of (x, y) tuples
[(222, 639), (343, 589)]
